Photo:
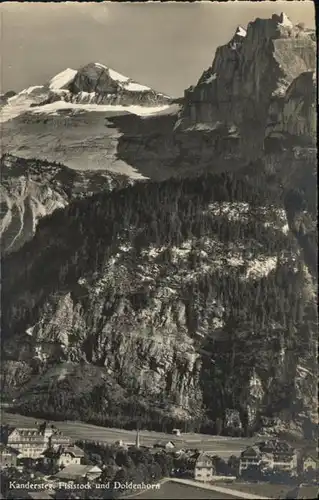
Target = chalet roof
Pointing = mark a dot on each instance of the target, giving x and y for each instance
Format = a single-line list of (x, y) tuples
[(27, 433), (306, 456), (204, 460), (25, 430), (76, 471), (251, 451), (57, 452), (275, 446), (58, 435), (73, 450), (272, 446)]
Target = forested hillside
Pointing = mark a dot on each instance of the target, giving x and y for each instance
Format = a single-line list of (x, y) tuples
[(187, 298)]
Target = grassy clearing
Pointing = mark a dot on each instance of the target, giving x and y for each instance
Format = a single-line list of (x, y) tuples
[(269, 490), (170, 489)]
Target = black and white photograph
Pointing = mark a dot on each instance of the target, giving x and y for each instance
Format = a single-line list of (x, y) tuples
[(159, 286)]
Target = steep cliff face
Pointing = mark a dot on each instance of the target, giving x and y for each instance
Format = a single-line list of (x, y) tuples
[(249, 88), (180, 300), (32, 189)]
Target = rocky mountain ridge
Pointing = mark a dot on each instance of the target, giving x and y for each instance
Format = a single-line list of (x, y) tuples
[(97, 84), (247, 97), (143, 302), (32, 189), (94, 83)]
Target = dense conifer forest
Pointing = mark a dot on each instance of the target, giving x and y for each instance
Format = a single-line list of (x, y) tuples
[(263, 315)]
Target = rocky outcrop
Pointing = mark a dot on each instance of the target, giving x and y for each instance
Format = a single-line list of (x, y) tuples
[(32, 189), (251, 86), (6, 96)]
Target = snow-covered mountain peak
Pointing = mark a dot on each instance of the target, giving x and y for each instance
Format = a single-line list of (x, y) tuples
[(92, 85), (62, 79)]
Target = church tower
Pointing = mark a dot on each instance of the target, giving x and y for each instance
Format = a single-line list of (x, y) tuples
[(137, 439)]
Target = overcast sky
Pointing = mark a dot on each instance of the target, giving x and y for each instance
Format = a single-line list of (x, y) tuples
[(164, 45)]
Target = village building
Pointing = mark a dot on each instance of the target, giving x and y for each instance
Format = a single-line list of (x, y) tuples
[(75, 472), (8, 456), (63, 456), (31, 442), (204, 469), (272, 456), (58, 439), (250, 459), (309, 463), (282, 456)]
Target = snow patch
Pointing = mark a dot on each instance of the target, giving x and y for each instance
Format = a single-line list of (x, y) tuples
[(212, 78), (54, 107), (99, 65), (201, 126), (61, 79), (117, 76), (27, 91), (241, 31), (285, 21), (136, 87)]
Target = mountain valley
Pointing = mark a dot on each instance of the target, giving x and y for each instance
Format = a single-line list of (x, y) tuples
[(160, 255)]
